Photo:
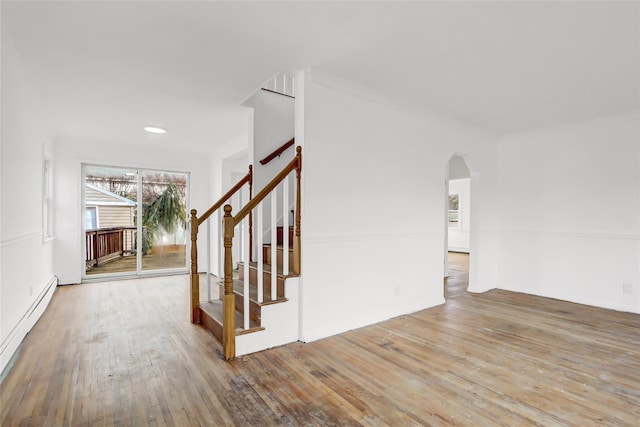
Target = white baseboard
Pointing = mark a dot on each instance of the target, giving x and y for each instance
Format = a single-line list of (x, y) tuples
[(608, 305), (9, 346)]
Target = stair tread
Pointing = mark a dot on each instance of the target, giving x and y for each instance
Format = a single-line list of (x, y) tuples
[(280, 247), (214, 310), (267, 269), (238, 287)]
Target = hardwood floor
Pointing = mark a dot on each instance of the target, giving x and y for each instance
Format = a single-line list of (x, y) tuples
[(124, 353), (458, 281)]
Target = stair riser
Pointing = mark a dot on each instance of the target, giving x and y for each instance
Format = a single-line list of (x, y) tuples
[(266, 280), (211, 324), (266, 256), (211, 319), (254, 309), (280, 233), (266, 285)]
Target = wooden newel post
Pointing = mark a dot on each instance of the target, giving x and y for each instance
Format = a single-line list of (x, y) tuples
[(296, 241), (229, 301), (195, 279)]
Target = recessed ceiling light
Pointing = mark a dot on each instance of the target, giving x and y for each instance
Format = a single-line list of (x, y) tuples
[(155, 129)]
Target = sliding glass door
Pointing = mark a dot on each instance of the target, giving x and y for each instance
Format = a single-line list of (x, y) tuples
[(134, 221), (164, 219)]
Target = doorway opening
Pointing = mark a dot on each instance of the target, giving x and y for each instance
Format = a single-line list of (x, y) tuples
[(457, 243), (134, 221), (457, 282)]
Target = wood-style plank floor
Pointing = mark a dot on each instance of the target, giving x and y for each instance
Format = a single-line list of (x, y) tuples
[(124, 354), (458, 281)]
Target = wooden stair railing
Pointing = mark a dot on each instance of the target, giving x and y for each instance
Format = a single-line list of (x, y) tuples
[(229, 327), (220, 316), (278, 151), (195, 224)]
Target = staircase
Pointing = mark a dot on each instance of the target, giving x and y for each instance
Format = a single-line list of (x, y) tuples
[(258, 302), (211, 312)]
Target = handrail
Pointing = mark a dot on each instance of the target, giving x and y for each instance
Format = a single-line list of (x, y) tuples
[(278, 151), (294, 164), (248, 178), (278, 93)]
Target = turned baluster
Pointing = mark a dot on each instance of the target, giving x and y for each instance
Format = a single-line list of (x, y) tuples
[(296, 240), (195, 279)]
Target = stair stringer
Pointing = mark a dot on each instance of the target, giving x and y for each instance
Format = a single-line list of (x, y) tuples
[(280, 321)]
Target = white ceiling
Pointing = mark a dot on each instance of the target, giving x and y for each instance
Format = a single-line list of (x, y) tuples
[(105, 69)]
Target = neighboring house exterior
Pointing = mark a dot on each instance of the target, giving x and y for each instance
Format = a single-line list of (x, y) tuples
[(104, 209), (108, 218)]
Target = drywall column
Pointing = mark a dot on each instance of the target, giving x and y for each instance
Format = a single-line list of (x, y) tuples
[(373, 208)]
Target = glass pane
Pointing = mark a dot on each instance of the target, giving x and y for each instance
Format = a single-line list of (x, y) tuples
[(90, 218), (164, 217), (110, 196)]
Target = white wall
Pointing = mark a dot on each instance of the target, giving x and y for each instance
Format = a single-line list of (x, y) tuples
[(570, 212), (373, 208), (71, 153), (226, 160), (458, 168), (26, 274), (459, 238), (273, 125)]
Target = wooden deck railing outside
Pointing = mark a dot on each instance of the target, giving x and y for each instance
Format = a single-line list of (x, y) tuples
[(104, 244)]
